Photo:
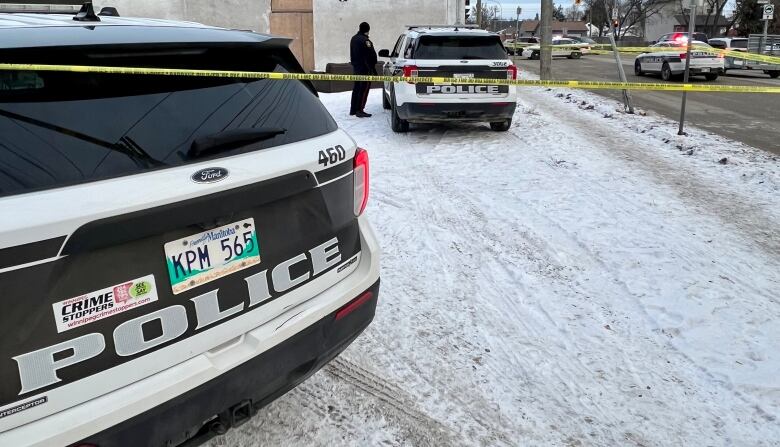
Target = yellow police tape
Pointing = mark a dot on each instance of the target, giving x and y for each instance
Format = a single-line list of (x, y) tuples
[(591, 85), (735, 54)]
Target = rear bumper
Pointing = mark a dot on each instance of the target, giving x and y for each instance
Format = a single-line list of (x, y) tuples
[(456, 111), (232, 398)]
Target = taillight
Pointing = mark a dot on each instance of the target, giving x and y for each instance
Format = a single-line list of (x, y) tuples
[(683, 55), (511, 72), (361, 181), (411, 71), (354, 305)]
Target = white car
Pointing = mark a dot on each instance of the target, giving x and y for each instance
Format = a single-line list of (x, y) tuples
[(175, 252), (450, 52), (669, 61), (561, 48)]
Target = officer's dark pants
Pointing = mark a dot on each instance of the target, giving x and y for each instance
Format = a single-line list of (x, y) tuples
[(359, 97)]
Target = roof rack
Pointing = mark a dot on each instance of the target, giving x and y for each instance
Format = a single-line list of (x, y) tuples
[(442, 26), (41, 6)]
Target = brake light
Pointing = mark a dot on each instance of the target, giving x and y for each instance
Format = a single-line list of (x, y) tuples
[(411, 71), (354, 305), (511, 72), (683, 55), (360, 172)]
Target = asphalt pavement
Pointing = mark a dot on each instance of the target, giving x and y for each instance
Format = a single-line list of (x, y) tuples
[(752, 118)]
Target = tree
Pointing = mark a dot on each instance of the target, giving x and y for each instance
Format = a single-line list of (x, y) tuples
[(633, 13), (596, 14), (483, 15), (572, 13), (536, 17), (747, 21), (558, 14)]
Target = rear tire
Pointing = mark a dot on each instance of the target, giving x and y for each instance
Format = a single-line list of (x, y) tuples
[(396, 123), (666, 72), (575, 55), (385, 102), (774, 74), (711, 76), (638, 69), (501, 126), (535, 55)]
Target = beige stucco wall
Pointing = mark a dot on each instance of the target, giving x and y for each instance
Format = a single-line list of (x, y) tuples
[(335, 22), (239, 14)]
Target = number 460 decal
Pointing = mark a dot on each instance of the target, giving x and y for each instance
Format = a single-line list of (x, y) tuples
[(332, 155)]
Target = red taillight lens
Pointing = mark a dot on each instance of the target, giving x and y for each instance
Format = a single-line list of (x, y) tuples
[(683, 55), (511, 72), (411, 71), (353, 305), (361, 181)]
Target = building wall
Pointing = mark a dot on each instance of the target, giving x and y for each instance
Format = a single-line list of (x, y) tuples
[(238, 14), (661, 23), (336, 21)]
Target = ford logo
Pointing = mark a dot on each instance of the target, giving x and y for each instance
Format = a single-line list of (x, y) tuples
[(210, 175)]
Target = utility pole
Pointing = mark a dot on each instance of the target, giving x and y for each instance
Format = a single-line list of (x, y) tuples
[(627, 103), (691, 30), (545, 52), (517, 25), (478, 15)]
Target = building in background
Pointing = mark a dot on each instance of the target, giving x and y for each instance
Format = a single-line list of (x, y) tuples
[(321, 28), (530, 28)]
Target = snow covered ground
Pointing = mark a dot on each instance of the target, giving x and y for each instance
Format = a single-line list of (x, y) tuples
[(587, 278)]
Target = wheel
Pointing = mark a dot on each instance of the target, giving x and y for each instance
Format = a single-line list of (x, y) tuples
[(711, 76), (535, 55), (774, 74), (666, 72), (638, 69), (396, 123), (575, 55), (501, 126), (385, 102)]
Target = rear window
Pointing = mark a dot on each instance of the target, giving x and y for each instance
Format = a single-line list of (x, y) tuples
[(58, 128), (741, 43), (459, 47), (718, 44)]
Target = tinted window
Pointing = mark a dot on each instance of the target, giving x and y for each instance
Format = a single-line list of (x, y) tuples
[(739, 43), (718, 44), (459, 47), (64, 128)]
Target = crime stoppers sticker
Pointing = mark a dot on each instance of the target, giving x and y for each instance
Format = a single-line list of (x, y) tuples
[(85, 309)]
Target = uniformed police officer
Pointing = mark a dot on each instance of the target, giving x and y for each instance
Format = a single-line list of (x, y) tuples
[(363, 59)]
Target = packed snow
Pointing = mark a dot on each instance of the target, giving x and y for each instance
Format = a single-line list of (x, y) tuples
[(587, 278)]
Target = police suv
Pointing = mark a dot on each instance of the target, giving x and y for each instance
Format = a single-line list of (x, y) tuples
[(175, 252), (451, 52), (669, 60)]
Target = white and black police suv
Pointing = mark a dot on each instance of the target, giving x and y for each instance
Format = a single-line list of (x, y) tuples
[(451, 52), (175, 252)]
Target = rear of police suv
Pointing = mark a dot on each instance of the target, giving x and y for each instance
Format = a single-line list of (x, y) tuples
[(175, 251)]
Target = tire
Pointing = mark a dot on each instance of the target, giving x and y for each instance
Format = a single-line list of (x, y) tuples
[(535, 55), (385, 102), (396, 123), (774, 74), (711, 76), (638, 69), (666, 72), (501, 126), (575, 55)]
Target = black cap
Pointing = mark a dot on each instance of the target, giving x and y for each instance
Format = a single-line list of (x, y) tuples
[(365, 27)]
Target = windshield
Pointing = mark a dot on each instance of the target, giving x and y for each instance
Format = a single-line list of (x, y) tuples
[(459, 47)]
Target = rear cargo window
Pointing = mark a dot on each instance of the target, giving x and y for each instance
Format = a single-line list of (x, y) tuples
[(739, 43), (60, 128), (459, 47)]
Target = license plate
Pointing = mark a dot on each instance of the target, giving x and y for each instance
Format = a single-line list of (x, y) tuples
[(705, 70), (463, 75), (210, 255)]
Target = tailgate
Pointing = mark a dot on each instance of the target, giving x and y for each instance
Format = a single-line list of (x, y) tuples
[(123, 253)]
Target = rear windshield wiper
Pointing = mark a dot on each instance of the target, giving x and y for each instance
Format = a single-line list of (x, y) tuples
[(231, 139)]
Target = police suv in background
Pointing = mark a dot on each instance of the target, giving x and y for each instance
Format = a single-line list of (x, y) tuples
[(669, 60), (450, 52), (175, 252)]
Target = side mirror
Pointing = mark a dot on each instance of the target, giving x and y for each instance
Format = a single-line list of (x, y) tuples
[(384, 53)]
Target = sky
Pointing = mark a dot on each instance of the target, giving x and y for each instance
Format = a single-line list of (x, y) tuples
[(531, 8)]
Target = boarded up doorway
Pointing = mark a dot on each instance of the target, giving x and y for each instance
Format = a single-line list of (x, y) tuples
[(294, 18)]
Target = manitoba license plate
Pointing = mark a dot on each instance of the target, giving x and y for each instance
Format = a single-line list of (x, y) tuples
[(210, 255), (705, 70)]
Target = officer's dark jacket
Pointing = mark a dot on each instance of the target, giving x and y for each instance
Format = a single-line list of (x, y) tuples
[(362, 55)]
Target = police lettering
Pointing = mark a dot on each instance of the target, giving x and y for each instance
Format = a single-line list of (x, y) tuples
[(462, 89)]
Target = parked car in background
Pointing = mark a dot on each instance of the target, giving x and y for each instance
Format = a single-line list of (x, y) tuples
[(519, 44), (669, 61), (561, 48), (682, 37)]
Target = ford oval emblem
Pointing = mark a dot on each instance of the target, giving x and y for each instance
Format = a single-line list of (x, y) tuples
[(210, 175)]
